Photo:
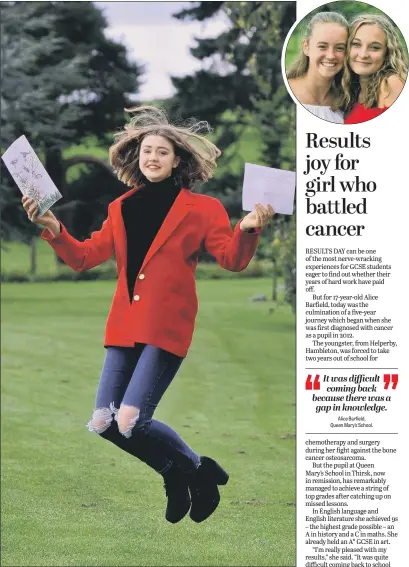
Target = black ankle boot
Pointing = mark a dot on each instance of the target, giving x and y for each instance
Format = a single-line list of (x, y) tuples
[(203, 485), (177, 491)]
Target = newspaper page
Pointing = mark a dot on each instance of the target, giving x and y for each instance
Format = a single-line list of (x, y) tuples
[(352, 432)]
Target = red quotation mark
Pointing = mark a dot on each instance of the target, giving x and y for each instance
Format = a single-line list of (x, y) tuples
[(310, 385), (388, 378)]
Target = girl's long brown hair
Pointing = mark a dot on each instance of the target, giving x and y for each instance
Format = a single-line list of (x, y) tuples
[(197, 154)]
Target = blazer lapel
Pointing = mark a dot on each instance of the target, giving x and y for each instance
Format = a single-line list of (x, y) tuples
[(180, 208), (119, 229)]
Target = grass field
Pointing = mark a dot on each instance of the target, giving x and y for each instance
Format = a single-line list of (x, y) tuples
[(71, 498), (16, 259)]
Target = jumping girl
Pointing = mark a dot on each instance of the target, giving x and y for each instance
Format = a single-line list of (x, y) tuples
[(157, 230)]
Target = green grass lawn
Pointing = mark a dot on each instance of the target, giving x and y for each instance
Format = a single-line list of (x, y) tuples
[(16, 259), (71, 498)]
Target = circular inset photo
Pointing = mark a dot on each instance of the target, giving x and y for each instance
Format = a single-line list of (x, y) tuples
[(345, 62)]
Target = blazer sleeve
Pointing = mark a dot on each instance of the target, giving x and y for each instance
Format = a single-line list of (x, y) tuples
[(81, 256), (233, 249)]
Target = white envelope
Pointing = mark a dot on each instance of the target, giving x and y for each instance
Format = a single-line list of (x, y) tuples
[(30, 175), (268, 186)]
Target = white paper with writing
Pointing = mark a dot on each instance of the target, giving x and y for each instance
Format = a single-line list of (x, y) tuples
[(30, 175), (267, 185)]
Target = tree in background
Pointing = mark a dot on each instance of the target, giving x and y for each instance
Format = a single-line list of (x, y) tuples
[(62, 81), (243, 88)]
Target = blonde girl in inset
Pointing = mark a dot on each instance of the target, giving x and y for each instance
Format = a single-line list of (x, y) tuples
[(376, 68)]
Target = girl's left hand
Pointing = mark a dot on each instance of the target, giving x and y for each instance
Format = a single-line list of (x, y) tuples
[(257, 218)]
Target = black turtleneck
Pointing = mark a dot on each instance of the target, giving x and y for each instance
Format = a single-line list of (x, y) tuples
[(143, 214)]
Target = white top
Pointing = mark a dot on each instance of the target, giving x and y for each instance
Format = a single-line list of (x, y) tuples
[(326, 113)]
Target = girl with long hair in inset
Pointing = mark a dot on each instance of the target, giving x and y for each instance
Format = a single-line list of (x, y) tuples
[(376, 68), (315, 75)]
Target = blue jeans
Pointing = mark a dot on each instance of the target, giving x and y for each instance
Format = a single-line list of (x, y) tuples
[(138, 377)]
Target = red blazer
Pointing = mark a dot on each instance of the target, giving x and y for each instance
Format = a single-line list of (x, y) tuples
[(164, 306)]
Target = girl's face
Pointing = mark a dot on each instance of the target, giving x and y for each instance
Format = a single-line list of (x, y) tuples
[(368, 50), (326, 49), (157, 158)]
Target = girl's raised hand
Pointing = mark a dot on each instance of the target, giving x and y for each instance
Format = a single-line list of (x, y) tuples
[(31, 207), (257, 218)]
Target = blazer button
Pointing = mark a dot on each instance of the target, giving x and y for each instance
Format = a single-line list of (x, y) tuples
[(136, 297), (141, 276)]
